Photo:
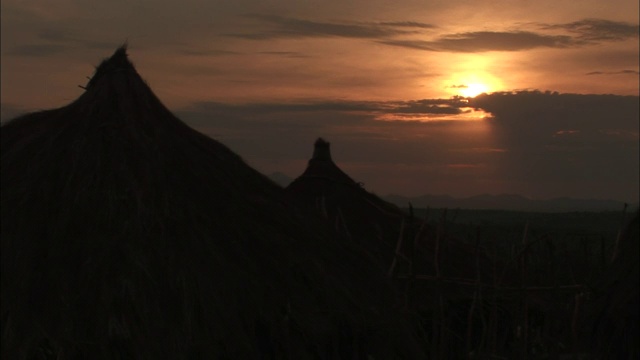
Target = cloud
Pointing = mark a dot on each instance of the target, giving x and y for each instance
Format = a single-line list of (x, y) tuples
[(289, 54), (569, 139), (54, 41), (287, 27), (621, 72), (62, 37), (580, 33), (361, 141), (37, 50), (551, 109), (482, 41), (213, 52), (536, 143), (598, 30), (374, 109), (428, 106), (411, 24)]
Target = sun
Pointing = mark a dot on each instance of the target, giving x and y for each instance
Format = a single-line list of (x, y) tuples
[(473, 90), (472, 75), (470, 85)]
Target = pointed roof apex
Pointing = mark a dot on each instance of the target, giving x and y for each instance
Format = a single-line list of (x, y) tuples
[(321, 150), (119, 61)]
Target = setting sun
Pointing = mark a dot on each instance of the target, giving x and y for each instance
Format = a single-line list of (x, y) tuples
[(473, 90), (474, 75), (473, 84)]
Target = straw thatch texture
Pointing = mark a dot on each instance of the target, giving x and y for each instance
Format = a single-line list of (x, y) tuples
[(379, 226), (357, 214), (437, 274), (127, 234)]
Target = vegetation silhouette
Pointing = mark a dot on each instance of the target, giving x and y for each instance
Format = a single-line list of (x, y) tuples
[(613, 314), (127, 234)]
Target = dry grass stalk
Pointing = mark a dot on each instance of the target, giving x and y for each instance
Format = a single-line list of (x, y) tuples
[(392, 269), (616, 248), (525, 297)]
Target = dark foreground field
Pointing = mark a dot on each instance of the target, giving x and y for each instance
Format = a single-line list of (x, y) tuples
[(552, 273)]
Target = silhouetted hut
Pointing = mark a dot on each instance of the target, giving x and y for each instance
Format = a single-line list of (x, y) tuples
[(357, 214), (615, 306), (379, 225), (126, 234), (410, 250)]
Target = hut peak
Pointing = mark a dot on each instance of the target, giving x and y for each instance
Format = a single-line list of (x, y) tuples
[(322, 150), (119, 61)]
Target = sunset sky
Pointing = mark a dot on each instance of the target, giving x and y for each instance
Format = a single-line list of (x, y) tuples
[(375, 78)]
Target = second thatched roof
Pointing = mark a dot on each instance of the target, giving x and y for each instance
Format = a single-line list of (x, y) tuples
[(359, 215)]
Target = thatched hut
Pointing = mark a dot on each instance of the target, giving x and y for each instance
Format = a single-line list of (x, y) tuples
[(127, 234), (360, 216), (385, 230), (438, 274)]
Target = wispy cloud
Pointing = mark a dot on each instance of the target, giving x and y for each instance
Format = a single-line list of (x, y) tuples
[(597, 30), (408, 24), (64, 38), (404, 33), (212, 52), (411, 107), (578, 33), (289, 54), (37, 50), (621, 72), (50, 42), (287, 27), (482, 41)]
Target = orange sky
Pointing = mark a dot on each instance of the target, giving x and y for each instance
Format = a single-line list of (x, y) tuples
[(335, 56)]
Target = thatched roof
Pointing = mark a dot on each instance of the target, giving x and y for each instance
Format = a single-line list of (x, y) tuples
[(379, 225), (127, 234), (358, 214)]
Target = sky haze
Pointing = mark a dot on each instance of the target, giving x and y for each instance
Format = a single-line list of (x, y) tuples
[(394, 86)]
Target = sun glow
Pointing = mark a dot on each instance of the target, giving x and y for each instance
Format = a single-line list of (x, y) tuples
[(473, 90), (472, 85), (475, 74)]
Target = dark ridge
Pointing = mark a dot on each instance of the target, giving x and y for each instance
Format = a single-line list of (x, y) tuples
[(128, 235)]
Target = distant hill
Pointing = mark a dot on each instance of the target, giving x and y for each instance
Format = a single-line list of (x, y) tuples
[(280, 179), (508, 202)]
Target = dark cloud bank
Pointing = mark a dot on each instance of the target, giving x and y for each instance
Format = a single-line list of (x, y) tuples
[(588, 142), (539, 144)]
